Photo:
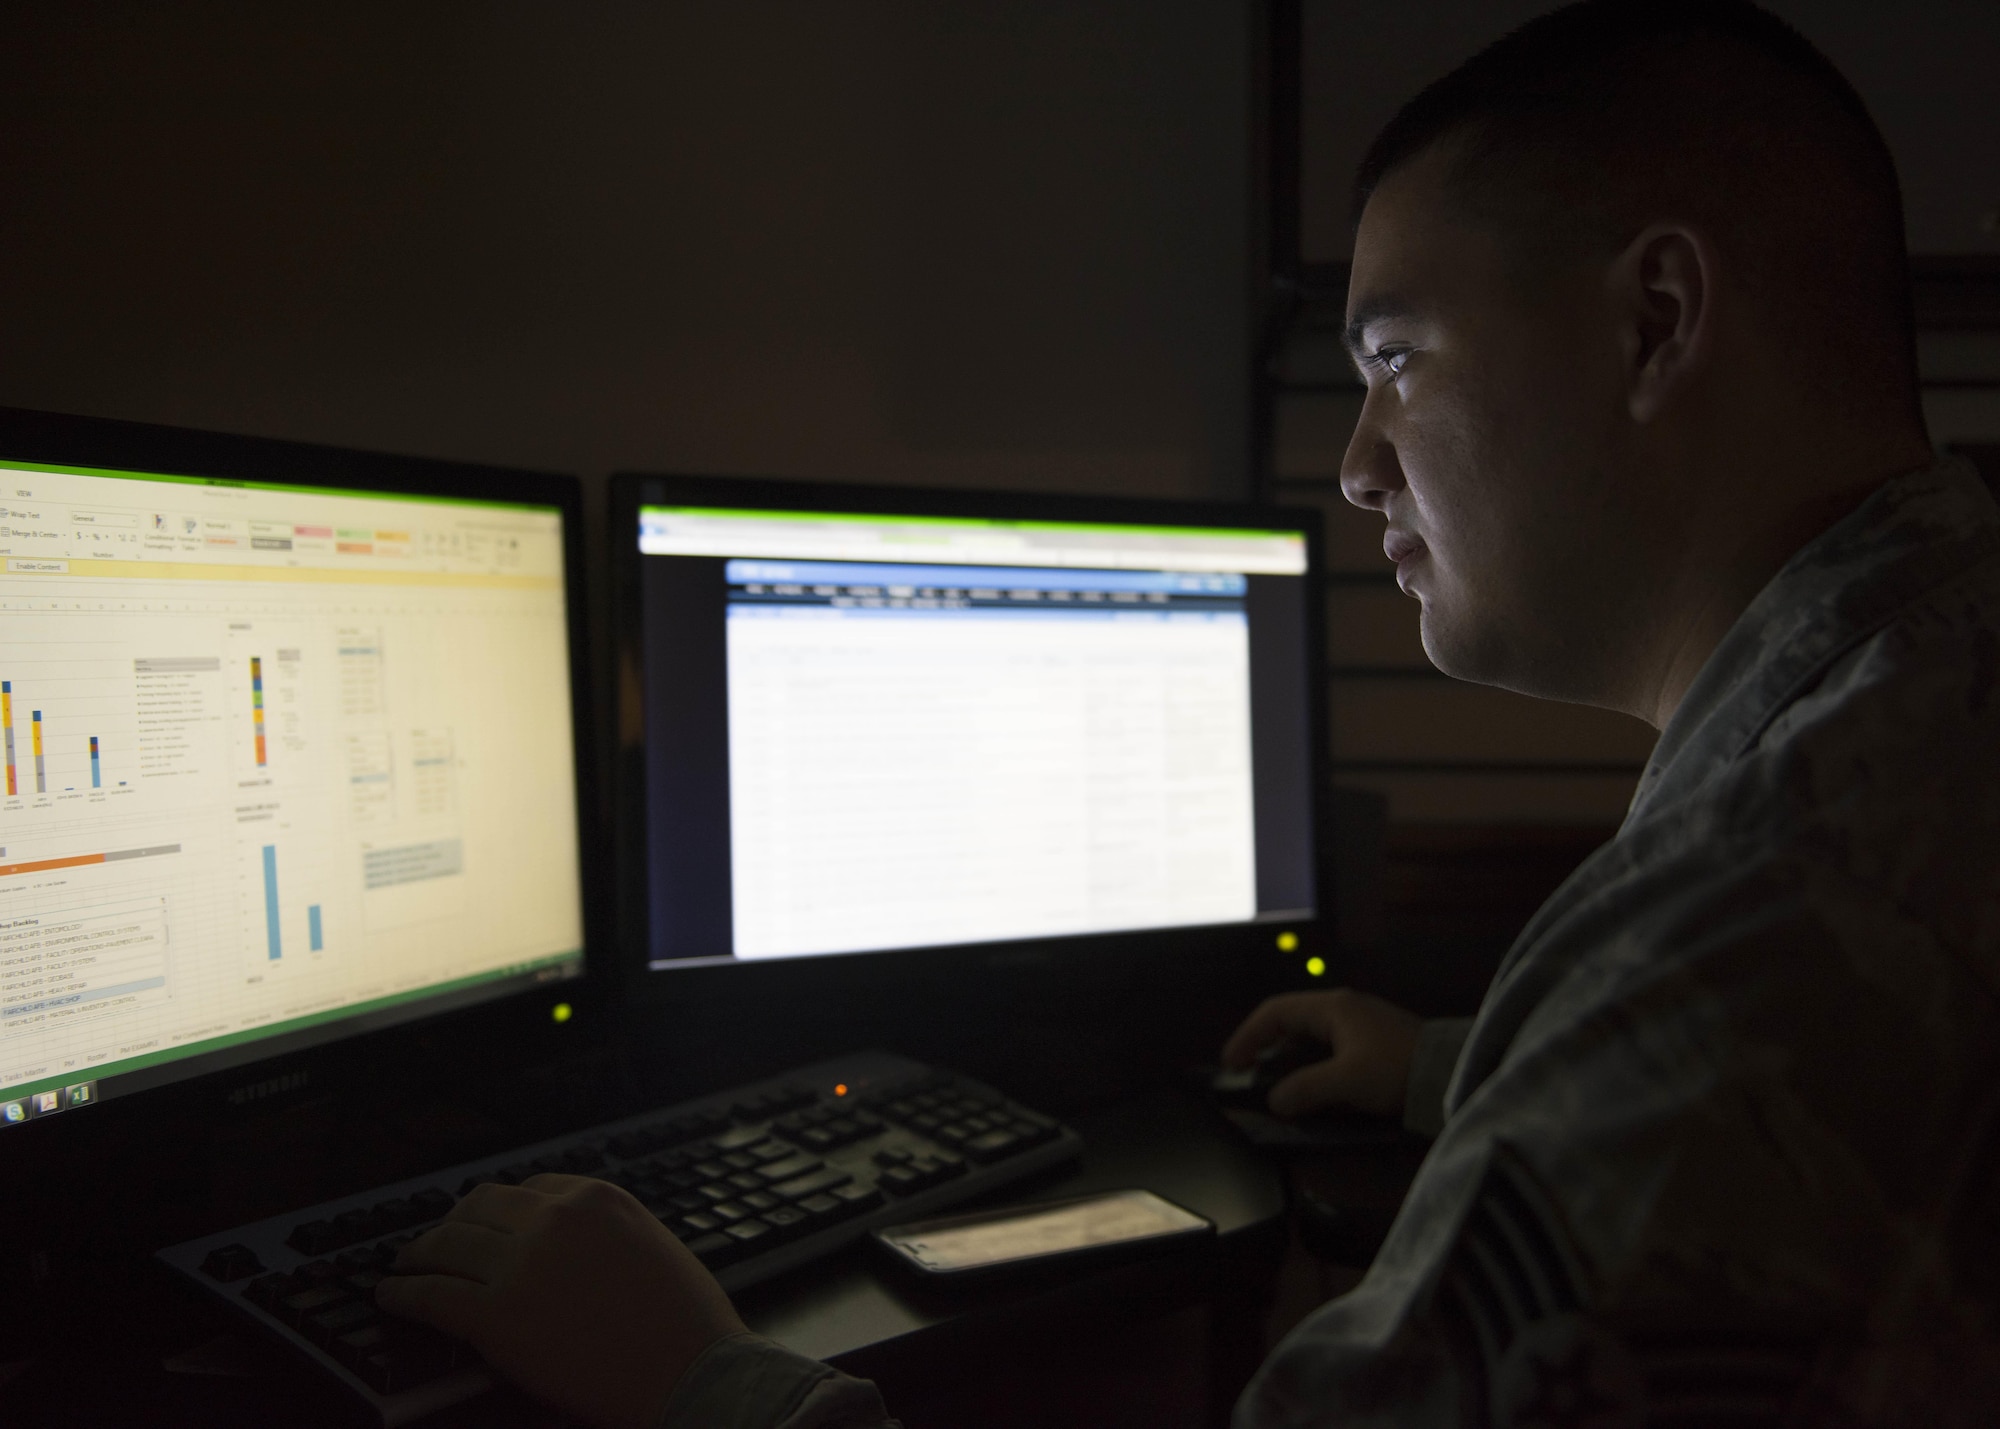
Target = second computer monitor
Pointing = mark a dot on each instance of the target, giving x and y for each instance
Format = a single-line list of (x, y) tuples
[(877, 719)]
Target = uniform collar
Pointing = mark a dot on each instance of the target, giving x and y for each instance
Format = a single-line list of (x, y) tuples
[(1912, 535)]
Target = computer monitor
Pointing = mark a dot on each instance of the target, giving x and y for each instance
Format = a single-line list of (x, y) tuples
[(870, 720), (292, 750)]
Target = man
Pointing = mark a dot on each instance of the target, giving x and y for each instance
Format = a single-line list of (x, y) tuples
[(1629, 298)]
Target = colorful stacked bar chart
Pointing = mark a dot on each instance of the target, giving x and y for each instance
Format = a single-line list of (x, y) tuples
[(272, 937), (7, 722), (41, 769), (313, 934), (96, 772), (257, 710)]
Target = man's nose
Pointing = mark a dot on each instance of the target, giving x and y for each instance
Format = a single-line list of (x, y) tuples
[(1370, 472)]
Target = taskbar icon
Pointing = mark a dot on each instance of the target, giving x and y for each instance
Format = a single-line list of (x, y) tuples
[(47, 1103)]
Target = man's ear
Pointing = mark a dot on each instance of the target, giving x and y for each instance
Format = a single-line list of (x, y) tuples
[(1664, 286)]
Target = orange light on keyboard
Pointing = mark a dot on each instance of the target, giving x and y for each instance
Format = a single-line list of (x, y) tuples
[(840, 1089)]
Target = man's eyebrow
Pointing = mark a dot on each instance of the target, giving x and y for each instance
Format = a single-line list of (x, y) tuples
[(1370, 312)]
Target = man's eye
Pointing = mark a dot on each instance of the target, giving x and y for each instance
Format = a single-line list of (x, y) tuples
[(1388, 360)]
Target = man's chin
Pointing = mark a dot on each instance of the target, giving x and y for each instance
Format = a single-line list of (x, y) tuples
[(1463, 654)]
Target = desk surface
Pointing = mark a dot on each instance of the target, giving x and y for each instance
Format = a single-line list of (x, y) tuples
[(849, 1308), (1174, 1145)]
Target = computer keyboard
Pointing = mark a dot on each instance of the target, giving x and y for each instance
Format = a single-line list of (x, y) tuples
[(755, 1181)]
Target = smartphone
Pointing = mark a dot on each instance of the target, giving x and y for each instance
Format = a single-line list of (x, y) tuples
[(1020, 1236)]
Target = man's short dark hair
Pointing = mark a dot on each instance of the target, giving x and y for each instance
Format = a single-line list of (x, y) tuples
[(1590, 122)]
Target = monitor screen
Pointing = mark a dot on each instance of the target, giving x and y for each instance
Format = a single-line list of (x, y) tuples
[(282, 762), (874, 730)]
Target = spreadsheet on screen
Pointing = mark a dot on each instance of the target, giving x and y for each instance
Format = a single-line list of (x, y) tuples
[(263, 743)]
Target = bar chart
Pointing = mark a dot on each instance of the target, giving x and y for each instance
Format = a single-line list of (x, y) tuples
[(68, 721), (257, 708), (81, 860), (274, 939)]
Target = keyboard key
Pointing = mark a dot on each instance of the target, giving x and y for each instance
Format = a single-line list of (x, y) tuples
[(892, 1156), (293, 1308), (750, 1234), (902, 1181), (229, 1263), (356, 1345), (319, 1272), (361, 1282), (717, 1191), (788, 1168), (267, 1290), (710, 1170), (745, 1181), (993, 1145), (819, 1207), (702, 1223), (818, 1138), (728, 1211), (786, 1219), (770, 1151), (322, 1328), (409, 1354), (741, 1161), (738, 1137), (314, 1238), (760, 1201), (394, 1214), (824, 1179), (856, 1198), (351, 1226), (714, 1250)]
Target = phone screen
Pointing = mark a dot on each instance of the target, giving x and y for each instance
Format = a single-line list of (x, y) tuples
[(972, 1243)]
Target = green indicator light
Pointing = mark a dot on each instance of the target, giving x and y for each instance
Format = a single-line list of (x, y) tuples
[(1316, 966), (561, 1012)]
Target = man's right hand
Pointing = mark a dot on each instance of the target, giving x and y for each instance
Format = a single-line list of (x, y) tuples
[(570, 1288), (1374, 1042)]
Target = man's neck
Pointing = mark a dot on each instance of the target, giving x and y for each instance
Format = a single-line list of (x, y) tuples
[(1715, 593)]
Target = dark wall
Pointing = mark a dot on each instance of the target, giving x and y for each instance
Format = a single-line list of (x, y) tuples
[(1927, 69), (992, 244)]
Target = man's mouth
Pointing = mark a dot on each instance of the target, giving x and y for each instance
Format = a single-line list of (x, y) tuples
[(1403, 549)]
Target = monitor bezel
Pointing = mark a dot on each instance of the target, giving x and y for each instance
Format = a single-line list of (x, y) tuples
[(344, 1050), (750, 983)]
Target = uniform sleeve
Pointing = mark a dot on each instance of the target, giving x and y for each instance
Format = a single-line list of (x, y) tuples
[(747, 1382), (1438, 1045)]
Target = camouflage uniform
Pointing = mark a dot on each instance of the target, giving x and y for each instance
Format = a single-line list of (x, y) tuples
[(1723, 1144)]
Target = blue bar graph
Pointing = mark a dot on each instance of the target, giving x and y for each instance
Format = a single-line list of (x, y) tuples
[(312, 928), (271, 902)]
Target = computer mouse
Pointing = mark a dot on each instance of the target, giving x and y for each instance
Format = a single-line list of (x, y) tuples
[(1249, 1089)]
